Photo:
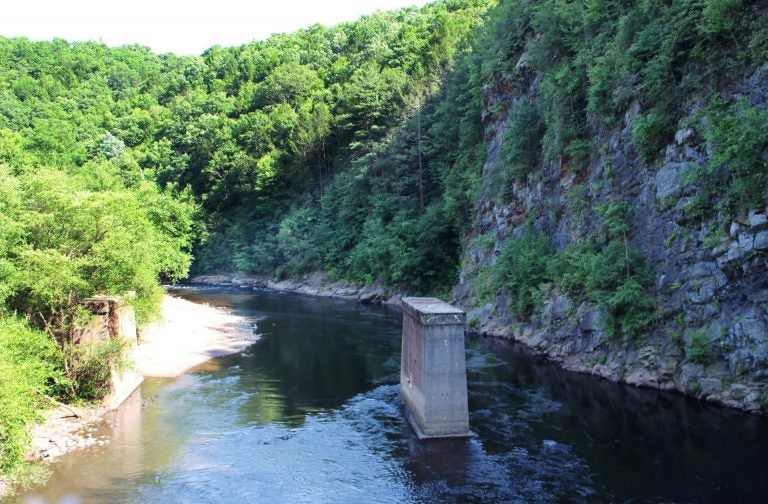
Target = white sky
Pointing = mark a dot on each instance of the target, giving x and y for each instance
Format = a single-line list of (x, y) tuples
[(184, 27)]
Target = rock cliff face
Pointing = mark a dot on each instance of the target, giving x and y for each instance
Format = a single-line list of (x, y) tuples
[(711, 286)]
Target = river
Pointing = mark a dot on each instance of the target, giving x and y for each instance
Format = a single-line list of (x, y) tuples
[(310, 413)]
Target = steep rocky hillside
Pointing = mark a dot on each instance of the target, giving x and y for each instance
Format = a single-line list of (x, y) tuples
[(631, 265)]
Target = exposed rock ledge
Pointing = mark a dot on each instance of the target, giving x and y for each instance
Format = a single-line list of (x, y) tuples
[(652, 365)]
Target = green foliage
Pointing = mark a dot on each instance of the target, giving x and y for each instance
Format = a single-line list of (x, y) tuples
[(301, 147), (392, 253), (735, 179), (522, 268), (699, 349), (572, 268), (578, 152), (714, 237), (578, 199), (720, 16), (65, 236), (30, 368), (598, 57), (247, 132), (334, 149), (379, 216), (376, 255), (618, 280), (631, 309), (89, 367), (617, 218), (521, 148), (296, 251), (697, 208), (484, 287), (613, 277), (358, 150), (61, 243), (651, 132), (483, 242)]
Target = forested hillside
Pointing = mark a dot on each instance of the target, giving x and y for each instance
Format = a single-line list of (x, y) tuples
[(118, 166), (588, 176)]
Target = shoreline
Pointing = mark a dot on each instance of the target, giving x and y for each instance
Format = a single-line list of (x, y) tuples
[(314, 284), (188, 334), (630, 378)]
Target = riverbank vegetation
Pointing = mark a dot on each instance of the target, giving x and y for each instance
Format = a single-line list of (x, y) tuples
[(66, 236), (29, 370)]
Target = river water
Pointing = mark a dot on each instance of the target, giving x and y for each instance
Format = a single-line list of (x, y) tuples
[(310, 414)]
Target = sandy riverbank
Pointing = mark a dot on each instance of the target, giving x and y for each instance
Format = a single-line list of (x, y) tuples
[(188, 334)]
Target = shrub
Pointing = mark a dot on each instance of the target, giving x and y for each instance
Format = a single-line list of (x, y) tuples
[(522, 267), (94, 242), (613, 266), (485, 286), (718, 16), (89, 367), (651, 132), (296, 244), (740, 139), (699, 349), (617, 217), (521, 147), (30, 368), (578, 151), (613, 277), (630, 308)]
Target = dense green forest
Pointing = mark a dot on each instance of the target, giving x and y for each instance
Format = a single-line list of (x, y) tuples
[(118, 166), (356, 150)]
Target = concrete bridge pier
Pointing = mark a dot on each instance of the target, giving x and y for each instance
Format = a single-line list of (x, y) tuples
[(433, 372)]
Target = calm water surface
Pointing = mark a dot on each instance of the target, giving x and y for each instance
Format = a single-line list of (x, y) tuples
[(310, 414)]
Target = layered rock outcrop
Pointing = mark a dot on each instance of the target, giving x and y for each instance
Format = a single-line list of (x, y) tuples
[(710, 285)]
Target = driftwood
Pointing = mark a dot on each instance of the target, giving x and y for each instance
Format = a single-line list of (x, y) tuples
[(75, 412)]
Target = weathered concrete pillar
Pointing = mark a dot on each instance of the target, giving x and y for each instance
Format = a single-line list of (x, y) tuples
[(433, 372), (112, 318)]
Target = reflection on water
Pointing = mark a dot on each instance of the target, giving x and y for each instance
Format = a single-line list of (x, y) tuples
[(310, 414)]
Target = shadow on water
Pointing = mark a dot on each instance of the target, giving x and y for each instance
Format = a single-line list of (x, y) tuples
[(310, 413)]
